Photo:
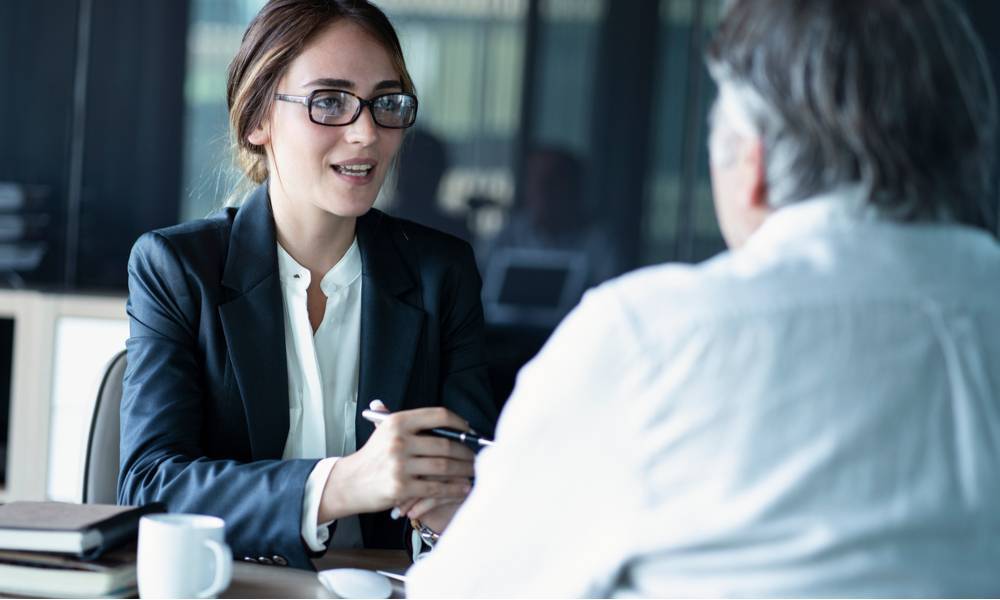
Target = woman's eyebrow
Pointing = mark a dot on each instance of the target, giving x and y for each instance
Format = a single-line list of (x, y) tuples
[(347, 84), (333, 83), (388, 84)]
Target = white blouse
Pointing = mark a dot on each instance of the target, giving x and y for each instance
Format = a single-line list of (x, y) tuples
[(322, 382)]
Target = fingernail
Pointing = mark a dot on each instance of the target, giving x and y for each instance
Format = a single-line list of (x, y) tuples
[(395, 514)]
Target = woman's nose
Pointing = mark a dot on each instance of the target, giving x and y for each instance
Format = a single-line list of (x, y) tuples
[(363, 130)]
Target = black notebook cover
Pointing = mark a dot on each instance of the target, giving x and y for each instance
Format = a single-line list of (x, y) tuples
[(51, 521)]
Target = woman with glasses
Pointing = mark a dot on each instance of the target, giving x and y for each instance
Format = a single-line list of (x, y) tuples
[(258, 335)]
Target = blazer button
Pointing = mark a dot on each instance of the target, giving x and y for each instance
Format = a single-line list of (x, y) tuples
[(264, 560), (279, 560), (249, 559)]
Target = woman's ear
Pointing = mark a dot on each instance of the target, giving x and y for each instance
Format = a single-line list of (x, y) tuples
[(260, 136)]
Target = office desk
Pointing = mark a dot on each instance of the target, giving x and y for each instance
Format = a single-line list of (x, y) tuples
[(259, 581)]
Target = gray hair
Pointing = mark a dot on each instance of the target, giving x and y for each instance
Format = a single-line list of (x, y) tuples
[(895, 95)]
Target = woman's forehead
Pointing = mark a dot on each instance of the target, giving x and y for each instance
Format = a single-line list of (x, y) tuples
[(342, 51)]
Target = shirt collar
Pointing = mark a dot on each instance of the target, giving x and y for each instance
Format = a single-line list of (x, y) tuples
[(842, 208), (344, 273)]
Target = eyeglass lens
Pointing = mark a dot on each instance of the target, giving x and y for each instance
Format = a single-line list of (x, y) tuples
[(333, 107)]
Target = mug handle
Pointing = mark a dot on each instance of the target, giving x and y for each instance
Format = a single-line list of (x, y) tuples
[(223, 569)]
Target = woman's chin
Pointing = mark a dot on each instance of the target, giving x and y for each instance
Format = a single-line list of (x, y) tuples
[(349, 201), (348, 207)]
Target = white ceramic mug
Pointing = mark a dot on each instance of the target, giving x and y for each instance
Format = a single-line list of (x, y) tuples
[(183, 556)]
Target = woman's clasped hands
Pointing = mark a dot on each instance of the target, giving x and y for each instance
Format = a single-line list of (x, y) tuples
[(426, 478)]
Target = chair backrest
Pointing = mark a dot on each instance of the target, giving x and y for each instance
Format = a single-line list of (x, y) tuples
[(100, 472)]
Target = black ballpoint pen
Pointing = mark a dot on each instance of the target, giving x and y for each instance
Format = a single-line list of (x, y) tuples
[(463, 437)]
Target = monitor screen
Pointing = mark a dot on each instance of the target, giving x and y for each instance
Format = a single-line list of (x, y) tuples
[(529, 286), (533, 286)]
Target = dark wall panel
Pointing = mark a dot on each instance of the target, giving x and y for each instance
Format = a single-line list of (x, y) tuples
[(37, 50), (115, 171), (621, 123), (133, 137)]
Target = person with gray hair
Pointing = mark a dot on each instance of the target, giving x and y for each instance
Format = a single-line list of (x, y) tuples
[(918, 137), (815, 412)]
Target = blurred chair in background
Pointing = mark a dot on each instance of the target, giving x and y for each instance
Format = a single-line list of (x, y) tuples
[(100, 475)]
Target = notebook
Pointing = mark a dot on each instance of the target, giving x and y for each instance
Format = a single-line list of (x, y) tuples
[(60, 576), (86, 530)]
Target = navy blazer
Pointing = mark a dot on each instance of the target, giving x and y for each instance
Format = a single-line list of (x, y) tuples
[(204, 414)]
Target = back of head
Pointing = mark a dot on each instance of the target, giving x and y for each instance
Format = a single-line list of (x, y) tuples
[(893, 94)]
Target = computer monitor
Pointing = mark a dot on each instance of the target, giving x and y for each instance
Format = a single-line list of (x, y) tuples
[(533, 286)]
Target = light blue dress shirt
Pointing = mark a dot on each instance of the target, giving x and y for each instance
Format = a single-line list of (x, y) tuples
[(815, 414)]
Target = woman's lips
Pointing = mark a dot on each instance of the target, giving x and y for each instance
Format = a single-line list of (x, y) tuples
[(355, 173)]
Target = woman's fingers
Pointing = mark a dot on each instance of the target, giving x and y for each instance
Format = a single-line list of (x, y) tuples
[(403, 508), (436, 489), (439, 517), (377, 406), (425, 505), (409, 424), (426, 445), (439, 467), (445, 479), (399, 465), (419, 419), (422, 506)]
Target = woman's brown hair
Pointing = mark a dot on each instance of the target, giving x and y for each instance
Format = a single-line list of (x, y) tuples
[(275, 37)]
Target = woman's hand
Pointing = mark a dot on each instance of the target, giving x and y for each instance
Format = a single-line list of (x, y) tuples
[(435, 513), (397, 466)]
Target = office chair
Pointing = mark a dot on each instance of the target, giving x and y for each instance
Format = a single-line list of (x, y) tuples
[(100, 472)]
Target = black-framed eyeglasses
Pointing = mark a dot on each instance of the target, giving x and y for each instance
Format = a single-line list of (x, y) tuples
[(336, 108)]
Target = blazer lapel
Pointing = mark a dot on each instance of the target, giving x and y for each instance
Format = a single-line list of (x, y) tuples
[(390, 327), (253, 324)]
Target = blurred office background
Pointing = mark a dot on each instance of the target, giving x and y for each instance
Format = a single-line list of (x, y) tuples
[(564, 139)]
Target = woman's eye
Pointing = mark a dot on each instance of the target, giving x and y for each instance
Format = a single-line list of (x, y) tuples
[(329, 104), (393, 103)]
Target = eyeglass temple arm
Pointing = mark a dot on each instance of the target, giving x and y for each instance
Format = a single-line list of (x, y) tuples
[(288, 98)]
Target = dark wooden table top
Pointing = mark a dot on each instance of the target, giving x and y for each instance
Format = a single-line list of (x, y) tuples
[(261, 581)]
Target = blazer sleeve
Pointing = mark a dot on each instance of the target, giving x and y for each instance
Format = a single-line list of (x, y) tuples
[(465, 384), (162, 422)]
